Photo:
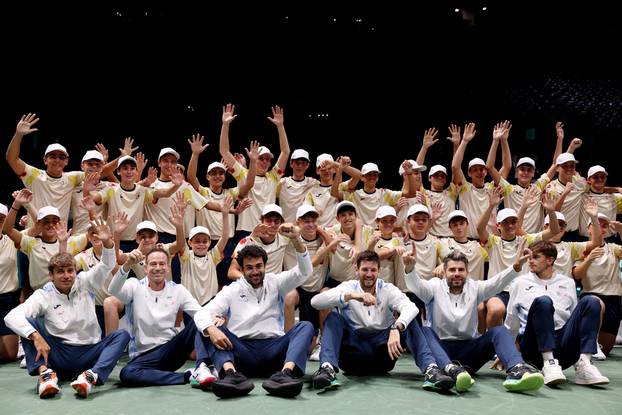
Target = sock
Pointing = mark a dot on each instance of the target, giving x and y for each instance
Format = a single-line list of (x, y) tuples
[(585, 357), (327, 365), (448, 367), (547, 356)]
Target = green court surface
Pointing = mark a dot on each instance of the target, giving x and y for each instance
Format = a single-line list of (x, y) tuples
[(397, 393)]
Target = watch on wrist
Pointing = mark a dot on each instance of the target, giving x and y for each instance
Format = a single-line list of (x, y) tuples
[(395, 326)]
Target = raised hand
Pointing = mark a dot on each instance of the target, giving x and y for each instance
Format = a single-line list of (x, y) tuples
[(61, 231), (23, 197), (469, 132), (87, 203), (228, 113), (277, 116), (590, 207), (121, 221), (127, 149), (141, 162), (134, 257), (494, 196), (227, 204), (501, 130), (196, 144), (101, 230), (429, 137), (177, 177), (454, 134), (243, 205), (401, 203), (524, 255), (177, 215), (180, 200), (575, 144), (410, 258), (260, 231), (90, 182), (239, 157), (407, 166), (253, 153), (548, 203), (103, 150), (531, 196), (437, 210), (152, 176), (24, 126), (289, 230), (559, 130)]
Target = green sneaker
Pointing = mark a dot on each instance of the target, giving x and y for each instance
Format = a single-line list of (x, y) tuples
[(461, 377), (522, 377), (325, 378)]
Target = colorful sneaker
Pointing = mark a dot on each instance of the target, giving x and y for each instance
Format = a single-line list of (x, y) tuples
[(553, 374), (588, 374), (435, 379), (203, 376), (522, 377), (325, 378), (47, 386), (84, 383), (461, 377), (283, 383), (232, 385)]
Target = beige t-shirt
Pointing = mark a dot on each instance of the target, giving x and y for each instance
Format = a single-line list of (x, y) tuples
[(340, 265), (39, 254), (315, 282), (513, 195), (319, 197), (609, 204), (291, 194), (9, 281), (262, 193), (428, 250), (502, 253), (160, 211), (198, 274), (51, 191), (132, 202), (448, 198), (475, 253), (389, 268), (368, 203), (572, 204), (474, 202), (567, 254), (603, 275), (81, 221), (87, 260), (274, 249), (211, 219)]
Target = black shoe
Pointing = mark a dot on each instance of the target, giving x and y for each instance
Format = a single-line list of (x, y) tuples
[(325, 378), (523, 377), (283, 384), (435, 379), (231, 385), (461, 376)]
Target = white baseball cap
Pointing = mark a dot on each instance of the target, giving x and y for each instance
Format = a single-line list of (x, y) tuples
[(565, 158), (304, 209), (300, 154), (3, 210), (600, 216), (322, 158), (415, 167), (385, 210), (369, 167), (596, 169), (197, 230), (476, 162), (93, 155), (526, 160), (560, 216), (456, 214), (168, 150), (126, 159), (216, 165), (271, 208), (436, 168), (345, 203), (55, 147), (503, 214), (417, 208), (146, 224), (264, 150), (47, 211)]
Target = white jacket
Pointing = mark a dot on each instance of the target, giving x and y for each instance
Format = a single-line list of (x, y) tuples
[(70, 318), (378, 317), (454, 316), (255, 314), (526, 288)]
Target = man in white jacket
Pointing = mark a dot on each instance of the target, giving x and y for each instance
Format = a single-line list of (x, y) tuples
[(68, 341), (363, 337), (554, 332), (253, 340), (452, 307)]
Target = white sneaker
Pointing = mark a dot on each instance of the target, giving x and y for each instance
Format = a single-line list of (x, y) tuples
[(553, 374), (315, 356), (22, 363), (47, 385), (599, 355), (84, 383), (588, 374), (20, 349), (618, 340), (203, 376)]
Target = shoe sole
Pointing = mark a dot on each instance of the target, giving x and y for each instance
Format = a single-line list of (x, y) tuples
[(205, 385), (440, 385), (326, 385), (464, 382), (529, 382), (81, 390), (232, 391), (554, 382), (283, 390), (587, 383), (49, 392)]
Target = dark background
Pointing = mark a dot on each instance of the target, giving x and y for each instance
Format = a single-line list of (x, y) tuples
[(345, 74)]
